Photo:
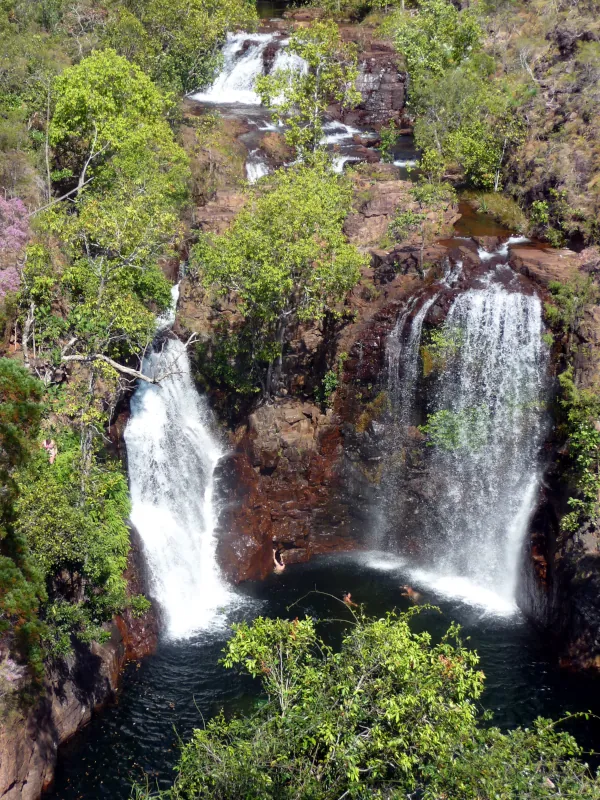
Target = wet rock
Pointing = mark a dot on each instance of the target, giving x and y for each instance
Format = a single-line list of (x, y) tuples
[(279, 486)]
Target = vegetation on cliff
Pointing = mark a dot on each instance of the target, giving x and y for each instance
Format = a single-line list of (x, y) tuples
[(504, 93), (391, 714), (285, 260)]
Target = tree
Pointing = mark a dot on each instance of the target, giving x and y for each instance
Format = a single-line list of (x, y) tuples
[(389, 715), (177, 42), (22, 588), (468, 119), (437, 38), (285, 258), (300, 98), (79, 541)]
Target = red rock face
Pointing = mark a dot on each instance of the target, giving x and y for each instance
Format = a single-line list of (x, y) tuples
[(278, 486)]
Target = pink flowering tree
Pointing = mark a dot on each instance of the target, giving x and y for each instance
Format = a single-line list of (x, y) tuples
[(14, 233)]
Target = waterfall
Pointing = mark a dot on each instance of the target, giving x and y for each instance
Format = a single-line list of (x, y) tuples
[(256, 166), (243, 61), (479, 477), (172, 454), (403, 361)]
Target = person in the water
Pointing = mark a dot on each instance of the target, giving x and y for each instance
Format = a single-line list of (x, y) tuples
[(278, 565), (347, 598), (413, 596)]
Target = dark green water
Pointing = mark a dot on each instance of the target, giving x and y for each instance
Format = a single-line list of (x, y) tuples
[(166, 695)]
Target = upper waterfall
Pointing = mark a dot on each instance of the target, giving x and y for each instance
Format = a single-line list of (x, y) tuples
[(172, 453), (245, 57), (478, 479)]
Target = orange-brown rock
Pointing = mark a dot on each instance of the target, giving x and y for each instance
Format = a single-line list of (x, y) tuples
[(278, 486), (378, 196)]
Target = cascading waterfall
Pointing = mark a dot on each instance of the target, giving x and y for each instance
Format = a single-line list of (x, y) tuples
[(256, 166), (172, 454), (243, 62), (488, 423), (403, 361)]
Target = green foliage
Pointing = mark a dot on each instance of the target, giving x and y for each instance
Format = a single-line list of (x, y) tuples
[(440, 346), (389, 715), (464, 116), (139, 605), (109, 129), (468, 119), (569, 302), (285, 258), (20, 413), (437, 38), (388, 138), (21, 583), (550, 217), (580, 407), (75, 528), (331, 380), (300, 100), (450, 430)]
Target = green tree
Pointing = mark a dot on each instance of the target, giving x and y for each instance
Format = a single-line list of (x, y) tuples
[(467, 119), (437, 38), (301, 98), (94, 302), (389, 715), (22, 588), (78, 540), (285, 258), (177, 43)]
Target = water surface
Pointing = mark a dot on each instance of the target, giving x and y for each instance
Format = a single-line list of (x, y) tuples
[(168, 694)]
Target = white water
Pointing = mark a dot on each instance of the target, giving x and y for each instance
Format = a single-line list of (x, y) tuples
[(339, 133), (339, 162), (241, 68), (483, 488), (503, 250), (256, 167), (172, 454)]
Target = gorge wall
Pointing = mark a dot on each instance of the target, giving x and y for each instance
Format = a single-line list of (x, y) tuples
[(304, 477)]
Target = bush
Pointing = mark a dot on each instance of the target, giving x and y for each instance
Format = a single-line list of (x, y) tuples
[(390, 715)]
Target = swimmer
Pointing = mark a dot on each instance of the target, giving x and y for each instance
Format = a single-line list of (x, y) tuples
[(278, 565), (412, 595), (347, 598)]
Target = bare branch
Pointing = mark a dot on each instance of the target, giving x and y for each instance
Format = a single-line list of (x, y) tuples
[(129, 371)]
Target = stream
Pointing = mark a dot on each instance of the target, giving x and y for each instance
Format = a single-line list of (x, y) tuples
[(173, 446)]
